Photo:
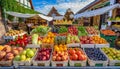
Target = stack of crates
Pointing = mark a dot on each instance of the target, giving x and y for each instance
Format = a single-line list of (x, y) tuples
[(110, 39)]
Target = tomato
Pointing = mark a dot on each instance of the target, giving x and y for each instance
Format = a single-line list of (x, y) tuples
[(71, 58), (74, 56), (71, 51), (78, 53), (82, 57)]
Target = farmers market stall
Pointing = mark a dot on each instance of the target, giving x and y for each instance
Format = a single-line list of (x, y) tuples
[(67, 47)]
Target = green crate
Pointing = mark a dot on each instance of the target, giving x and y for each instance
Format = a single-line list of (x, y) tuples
[(110, 39)]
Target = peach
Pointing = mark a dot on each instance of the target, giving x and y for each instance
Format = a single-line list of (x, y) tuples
[(2, 54), (15, 52), (9, 56), (20, 48)]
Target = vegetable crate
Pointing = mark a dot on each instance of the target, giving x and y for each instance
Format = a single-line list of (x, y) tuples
[(77, 63), (110, 39), (59, 63)]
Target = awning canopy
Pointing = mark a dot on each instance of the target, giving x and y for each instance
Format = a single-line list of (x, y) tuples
[(21, 15), (96, 12)]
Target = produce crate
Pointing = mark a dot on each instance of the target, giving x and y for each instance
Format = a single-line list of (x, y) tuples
[(112, 62), (74, 45), (110, 39), (6, 63), (87, 45), (97, 63), (59, 63), (23, 63), (102, 45), (41, 63), (32, 46), (78, 62)]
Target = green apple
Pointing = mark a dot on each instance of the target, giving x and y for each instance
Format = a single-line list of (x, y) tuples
[(34, 50), (17, 58), (24, 52), (30, 54), (28, 59), (22, 57)]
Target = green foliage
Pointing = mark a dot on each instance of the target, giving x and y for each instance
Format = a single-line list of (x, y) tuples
[(13, 5)]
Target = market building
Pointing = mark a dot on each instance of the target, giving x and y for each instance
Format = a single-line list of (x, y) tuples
[(100, 19)]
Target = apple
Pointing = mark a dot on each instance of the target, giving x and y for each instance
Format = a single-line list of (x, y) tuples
[(58, 58), (2, 54), (30, 53), (44, 53), (22, 57), (15, 52), (17, 58), (20, 49), (9, 56)]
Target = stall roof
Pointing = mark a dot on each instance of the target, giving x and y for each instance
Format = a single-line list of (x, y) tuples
[(96, 12), (21, 15)]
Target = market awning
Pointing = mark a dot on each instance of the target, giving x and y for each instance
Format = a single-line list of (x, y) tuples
[(21, 15), (96, 12)]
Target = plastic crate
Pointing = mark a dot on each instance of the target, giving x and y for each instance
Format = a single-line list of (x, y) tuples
[(102, 45), (78, 62), (41, 63), (74, 45), (59, 63), (45, 45), (23, 63), (87, 45), (98, 63)]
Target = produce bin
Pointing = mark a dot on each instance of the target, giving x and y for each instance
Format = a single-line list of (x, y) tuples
[(78, 62), (110, 39), (32, 46), (97, 63), (41, 63), (45, 45)]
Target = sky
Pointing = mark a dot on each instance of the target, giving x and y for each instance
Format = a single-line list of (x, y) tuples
[(44, 6)]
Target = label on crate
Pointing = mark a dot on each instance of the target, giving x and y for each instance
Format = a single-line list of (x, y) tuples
[(77, 64), (117, 64), (99, 64)]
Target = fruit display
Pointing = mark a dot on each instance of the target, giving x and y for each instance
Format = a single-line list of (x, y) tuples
[(95, 54), (62, 22), (108, 32), (25, 55), (114, 19), (73, 30), (60, 48), (86, 40), (63, 29), (76, 54), (41, 30), (49, 39), (112, 53), (92, 31), (99, 40), (14, 32), (60, 40), (81, 31), (8, 53), (43, 54), (72, 39), (59, 55), (21, 41)]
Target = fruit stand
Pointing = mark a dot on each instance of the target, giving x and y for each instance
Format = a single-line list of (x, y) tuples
[(65, 47)]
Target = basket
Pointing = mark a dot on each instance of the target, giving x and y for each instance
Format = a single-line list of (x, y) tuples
[(41, 63), (87, 45)]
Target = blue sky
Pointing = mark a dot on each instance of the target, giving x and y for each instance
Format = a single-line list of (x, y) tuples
[(44, 6)]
